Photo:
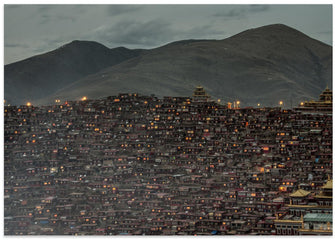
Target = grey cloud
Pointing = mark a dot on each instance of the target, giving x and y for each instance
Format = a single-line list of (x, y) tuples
[(66, 18), (204, 32), (56, 13), (233, 13), (115, 10), (137, 33), (259, 8), (15, 45), (325, 32), (43, 8), (11, 6), (242, 11), (81, 9), (44, 18)]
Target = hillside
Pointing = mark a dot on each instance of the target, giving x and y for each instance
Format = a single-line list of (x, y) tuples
[(262, 65), (42, 75)]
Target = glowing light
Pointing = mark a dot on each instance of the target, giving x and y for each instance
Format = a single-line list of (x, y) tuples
[(302, 103), (258, 104), (28, 104), (280, 103), (84, 99)]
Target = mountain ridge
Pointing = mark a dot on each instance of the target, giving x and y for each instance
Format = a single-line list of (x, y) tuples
[(265, 64), (61, 66)]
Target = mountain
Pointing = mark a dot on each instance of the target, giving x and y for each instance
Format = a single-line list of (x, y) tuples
[(42, 75), (262, 65)]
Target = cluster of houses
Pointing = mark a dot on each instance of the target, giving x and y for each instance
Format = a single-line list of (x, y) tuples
[(140, 165)]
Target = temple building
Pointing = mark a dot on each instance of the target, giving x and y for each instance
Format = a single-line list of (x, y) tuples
[(323, 105), (200, 95), (307, 214), (325, 197), (321, 222)]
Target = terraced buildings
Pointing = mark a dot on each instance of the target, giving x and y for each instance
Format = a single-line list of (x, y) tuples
[(140, 165)]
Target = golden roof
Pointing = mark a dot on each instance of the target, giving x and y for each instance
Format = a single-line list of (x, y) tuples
[(315, 230), (327, 91), (199, 92), (328, 185), (325, 100), (300, 193), (287, 221), (326, 95)]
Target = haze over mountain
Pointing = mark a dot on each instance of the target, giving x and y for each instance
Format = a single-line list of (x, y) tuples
[(262, 65)]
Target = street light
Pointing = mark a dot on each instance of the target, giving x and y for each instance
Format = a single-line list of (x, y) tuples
[(238, 103)]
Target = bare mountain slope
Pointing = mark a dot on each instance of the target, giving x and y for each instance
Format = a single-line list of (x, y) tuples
[(42, 75), (262, 65)]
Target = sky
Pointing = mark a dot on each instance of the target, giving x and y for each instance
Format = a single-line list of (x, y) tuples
[(30, 30)]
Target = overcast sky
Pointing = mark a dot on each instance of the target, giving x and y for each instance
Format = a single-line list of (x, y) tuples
[(34, 29)]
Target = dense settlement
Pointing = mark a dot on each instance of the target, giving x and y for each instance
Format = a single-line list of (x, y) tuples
[(140, 165)]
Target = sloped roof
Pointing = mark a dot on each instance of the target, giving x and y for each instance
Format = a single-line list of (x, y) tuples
[(328, 185), (300, 193)]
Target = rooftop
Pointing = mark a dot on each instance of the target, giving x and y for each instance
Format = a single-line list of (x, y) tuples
[(318, 217), (328, 185), (300, 193)]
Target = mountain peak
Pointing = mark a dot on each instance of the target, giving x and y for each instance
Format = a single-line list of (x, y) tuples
[(279, 29), (277, 26), (265, 64), (83, 44), (41, 75), (274, 32)]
